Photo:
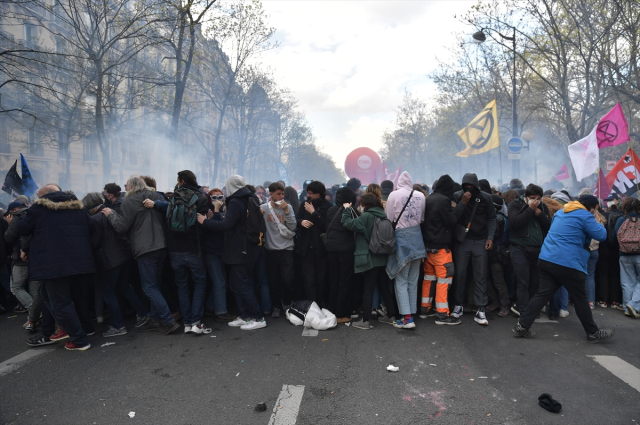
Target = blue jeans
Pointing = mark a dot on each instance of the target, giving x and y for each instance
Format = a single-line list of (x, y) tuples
[(217, 300), (150, 266), (261, 279), (559, 301), (591, 276), (185, 263), (244, 291), (630, 280), (56, 295), (113, 280), (407, 288)]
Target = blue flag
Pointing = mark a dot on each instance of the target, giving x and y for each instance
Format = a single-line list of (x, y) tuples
[(29, 185)]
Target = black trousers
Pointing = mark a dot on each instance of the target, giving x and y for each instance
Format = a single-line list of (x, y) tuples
[(377, 276), (340, 300), (525, 265), (497, 289), (281, 274), (608, 288), (314, 274), (552, 277)]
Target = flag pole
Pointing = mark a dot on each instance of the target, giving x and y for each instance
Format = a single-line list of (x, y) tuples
[(633, 158)]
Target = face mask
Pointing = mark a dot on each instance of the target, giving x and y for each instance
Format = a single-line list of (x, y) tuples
[(530, 201)]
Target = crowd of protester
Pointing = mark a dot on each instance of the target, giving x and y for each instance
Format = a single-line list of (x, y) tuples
[(242, 254)]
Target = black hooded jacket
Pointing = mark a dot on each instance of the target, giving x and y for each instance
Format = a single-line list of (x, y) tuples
[(520, 214), (440, 217), (483, 225), (311, 237), (340, 239)]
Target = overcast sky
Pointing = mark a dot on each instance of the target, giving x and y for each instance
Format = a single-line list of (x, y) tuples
[(349, 62)]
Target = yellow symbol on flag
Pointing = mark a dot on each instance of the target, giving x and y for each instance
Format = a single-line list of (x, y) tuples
[(481, 135)]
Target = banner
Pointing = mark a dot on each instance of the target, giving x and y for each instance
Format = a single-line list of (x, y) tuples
[(623, 179), (29, 185), (585, 156), (613, 129), (363, 164), (481, 135), (563, 174), (602, 187), (391, 176), (13, 182), (282, 171)]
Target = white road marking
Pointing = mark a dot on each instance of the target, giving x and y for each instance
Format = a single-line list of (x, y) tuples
[(285, 412), (309, 332), (623, 370), (22, 359)]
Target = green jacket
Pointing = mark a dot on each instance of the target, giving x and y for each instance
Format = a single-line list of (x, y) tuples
[(363, 226)]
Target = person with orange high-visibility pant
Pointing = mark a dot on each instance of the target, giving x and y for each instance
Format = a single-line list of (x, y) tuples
[(441, 216)]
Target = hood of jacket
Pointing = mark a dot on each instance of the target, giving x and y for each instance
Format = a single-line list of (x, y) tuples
[(239, 193), (445, 186), (472, 179), (485, 186), (376, 211), (234, 184), (405, 181), (135, 192), (345, 195), (58, 201), (574, 206)]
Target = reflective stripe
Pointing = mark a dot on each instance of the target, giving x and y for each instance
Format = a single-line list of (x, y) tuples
[(442, 305), (447, 280), (429, 277), (427, 300)]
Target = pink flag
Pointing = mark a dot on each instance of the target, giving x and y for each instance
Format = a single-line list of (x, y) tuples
[(613, 129), (603, 190), (563, 174)]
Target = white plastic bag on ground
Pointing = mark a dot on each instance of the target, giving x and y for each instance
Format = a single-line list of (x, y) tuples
[(314, 317)]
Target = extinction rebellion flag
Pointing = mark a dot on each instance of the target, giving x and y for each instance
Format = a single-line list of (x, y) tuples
[(623, 179)]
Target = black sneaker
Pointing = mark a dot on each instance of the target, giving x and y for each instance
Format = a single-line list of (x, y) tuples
[(167, 328), (447, 320), (427, 312), (523, 332), (601, 335), (150, 326), (20, 309), (38, 340)]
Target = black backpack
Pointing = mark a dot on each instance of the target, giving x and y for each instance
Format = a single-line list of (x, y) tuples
[(383, 237), (614, 215), (254, 227)]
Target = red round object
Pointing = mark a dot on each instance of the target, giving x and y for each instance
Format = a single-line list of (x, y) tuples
[(365, 165)]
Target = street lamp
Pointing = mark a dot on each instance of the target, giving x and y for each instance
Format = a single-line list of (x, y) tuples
[(481, 37)]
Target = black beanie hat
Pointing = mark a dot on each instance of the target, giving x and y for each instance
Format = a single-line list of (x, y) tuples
[(546, 402), (345, 195), (589, 201), (498, 202)]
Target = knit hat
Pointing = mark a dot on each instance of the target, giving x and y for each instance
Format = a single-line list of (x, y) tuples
[(546, 402), (386, 184), (589, 201), (498, 202), (234, 183), (560, 197)]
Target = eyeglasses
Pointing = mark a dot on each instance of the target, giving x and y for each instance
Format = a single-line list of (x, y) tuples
[(217, 197)]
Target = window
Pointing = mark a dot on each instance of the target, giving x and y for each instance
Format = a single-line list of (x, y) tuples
[(90, 149), (30, 34), (62, 145), (59, 44), (34, 146), (5, 146)]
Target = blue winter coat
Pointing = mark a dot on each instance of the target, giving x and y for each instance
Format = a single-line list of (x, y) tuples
[(60, 230), (568, 240)]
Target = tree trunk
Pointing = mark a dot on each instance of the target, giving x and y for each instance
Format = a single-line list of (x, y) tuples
[(100, 131), (216, 146)]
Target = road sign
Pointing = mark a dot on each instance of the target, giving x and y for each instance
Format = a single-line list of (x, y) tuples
[(610, 165), (515, 144), (515, 156)]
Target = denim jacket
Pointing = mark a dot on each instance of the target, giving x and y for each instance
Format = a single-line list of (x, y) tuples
[(409, 247)]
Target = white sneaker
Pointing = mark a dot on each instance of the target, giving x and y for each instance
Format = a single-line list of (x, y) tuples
[(200, 328), (563, 313), (480, 318), (187, 329), (252, 324), (238, 322), (457, 312)]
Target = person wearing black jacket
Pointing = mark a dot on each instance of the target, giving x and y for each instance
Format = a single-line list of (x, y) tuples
[(441, 216), (529, 222), (312, 221), (238, 254), (340, 248), (113, 197)]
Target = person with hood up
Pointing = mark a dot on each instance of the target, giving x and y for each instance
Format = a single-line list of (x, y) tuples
[(238, 254), (405, 209), (474, 243), (312, 221), (145, 229), (440, 220), (59, 256), (563, 262), (372, 265), (340, 246), (529, 222)]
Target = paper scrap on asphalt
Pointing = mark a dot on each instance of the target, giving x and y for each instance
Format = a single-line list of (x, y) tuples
[(392, 368), (132, 414), (106, 344), (213, 336), (482, 377), (431, 364)]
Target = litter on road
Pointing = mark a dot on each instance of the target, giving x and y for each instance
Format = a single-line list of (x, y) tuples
[(392, 368), (261, 407), (237, 374), (106, 344), (132, 414), (431, 364)]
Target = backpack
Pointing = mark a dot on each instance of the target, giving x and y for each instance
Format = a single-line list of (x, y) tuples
[(182, 210), (611, 227), (383, 237), (254, 227), (629, 236)]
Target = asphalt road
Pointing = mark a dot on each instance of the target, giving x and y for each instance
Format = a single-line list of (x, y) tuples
[(464, 374)]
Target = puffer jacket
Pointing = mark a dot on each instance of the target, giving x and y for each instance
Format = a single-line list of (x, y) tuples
[(110, 250), (363, 226), (144, 226), (60, 230)]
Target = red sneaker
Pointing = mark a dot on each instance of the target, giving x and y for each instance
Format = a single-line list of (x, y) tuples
[(71, 346), (59, 336)]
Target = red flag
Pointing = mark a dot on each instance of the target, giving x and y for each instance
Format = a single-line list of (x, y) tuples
[(623, 179), (612, 129), (295, 184), (603, 190), (563, 174)]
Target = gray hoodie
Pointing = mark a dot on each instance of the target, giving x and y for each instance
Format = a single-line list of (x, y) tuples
[(274, 241)]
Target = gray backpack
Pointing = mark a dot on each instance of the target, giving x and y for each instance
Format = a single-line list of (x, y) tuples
[(383, 237)]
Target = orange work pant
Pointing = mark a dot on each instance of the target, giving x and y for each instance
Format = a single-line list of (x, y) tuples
[(438, 267)]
